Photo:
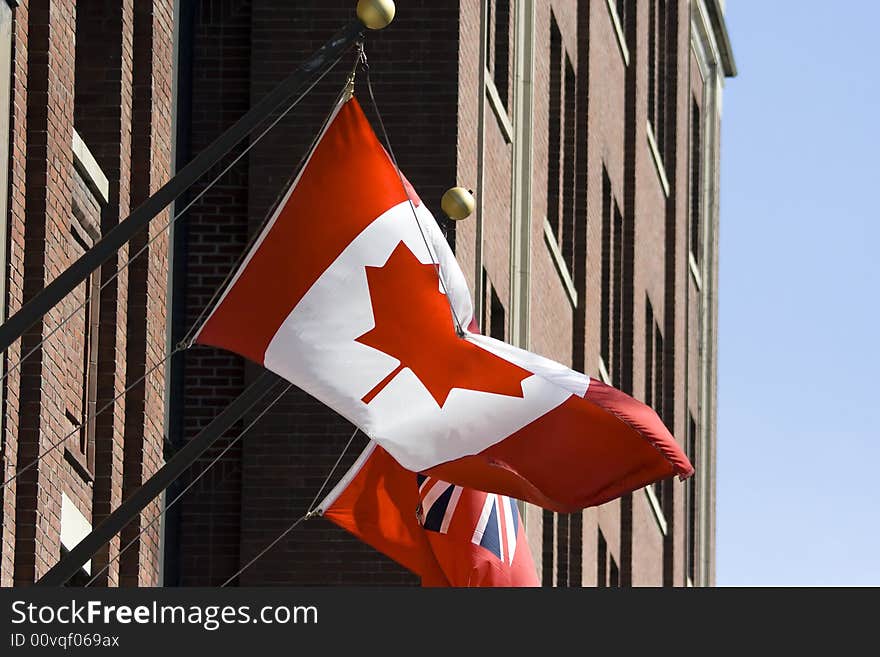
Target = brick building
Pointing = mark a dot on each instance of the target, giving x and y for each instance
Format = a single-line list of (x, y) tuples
[(589, 132), (85, 128)]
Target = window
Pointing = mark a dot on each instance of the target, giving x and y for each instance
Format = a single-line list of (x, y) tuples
[(548, 536), (566, 239), (493, 321), (654, 382), (562, 142), (608, 574), (568, 549), (623, 8), (498, 47), (696, 181), (613, 283), (654, 389), (659, 72), (82, 399), (690, 495), (554, 127), (562, 555)]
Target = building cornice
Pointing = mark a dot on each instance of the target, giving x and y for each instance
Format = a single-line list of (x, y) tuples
[(722, 38)]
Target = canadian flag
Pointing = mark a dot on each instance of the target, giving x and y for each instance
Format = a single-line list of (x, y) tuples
[(343, 295), (447, 534)]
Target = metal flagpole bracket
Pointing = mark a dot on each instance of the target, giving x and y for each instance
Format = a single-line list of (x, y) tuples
[(360, 60)]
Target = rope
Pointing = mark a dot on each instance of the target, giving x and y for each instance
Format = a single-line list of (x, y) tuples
[(192, 483), (458, 325), (309, 514)]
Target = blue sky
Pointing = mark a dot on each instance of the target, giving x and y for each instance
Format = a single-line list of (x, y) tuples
[(799, 335)]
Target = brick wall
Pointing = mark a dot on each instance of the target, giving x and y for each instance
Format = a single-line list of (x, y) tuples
[(41, 405), (75, 70), (209, 239), (15, 283)]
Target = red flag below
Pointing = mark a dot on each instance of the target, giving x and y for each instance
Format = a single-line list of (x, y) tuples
[(449, 535)]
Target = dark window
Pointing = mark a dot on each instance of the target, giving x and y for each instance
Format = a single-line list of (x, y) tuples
[(568, 549), (653, 361), (605, 329), (496, 317), (494, 322), (659, 71), (690, 492), (562, 546), (554, 128), (562, 143), (613, 283), (498, 45), (565, 238), (608, 574), (548, 542), (623, 11), (654, 382), (696, 186), (619, 283), (622, 7), (649, 354)]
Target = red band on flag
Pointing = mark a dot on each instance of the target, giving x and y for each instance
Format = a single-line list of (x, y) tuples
[(334, 200), (539, 462)]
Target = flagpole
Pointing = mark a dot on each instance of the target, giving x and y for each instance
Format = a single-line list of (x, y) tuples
[(372, 14), (176, 465)]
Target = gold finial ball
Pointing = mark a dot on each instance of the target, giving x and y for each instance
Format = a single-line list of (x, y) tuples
[(375, 14), (458, 203)]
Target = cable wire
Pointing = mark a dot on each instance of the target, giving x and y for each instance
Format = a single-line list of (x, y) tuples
[(192, 483), (310, 513)]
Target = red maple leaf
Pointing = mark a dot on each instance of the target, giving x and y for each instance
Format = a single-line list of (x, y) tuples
[(414, 324)]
